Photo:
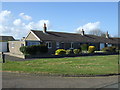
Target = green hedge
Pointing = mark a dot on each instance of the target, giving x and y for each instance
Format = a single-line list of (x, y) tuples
[(34, 49), (84, 47)]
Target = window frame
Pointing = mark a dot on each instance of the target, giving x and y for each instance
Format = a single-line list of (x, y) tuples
[(72, 45), (48, 44), (57, 45)]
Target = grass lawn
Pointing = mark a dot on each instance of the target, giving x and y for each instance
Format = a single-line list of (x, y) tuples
[(90, 65)]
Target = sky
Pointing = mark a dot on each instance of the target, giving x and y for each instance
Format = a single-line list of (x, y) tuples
[(18, 18)]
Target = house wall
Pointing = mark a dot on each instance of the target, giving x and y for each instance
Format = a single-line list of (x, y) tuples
[(67, 45), (117, 45), (14, 46), (3, 46), (31, 37), (51, 50)]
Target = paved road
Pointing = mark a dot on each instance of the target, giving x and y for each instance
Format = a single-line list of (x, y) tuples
[(14, 80)]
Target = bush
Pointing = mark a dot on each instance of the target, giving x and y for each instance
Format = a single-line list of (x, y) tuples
[(84, 47), (34, 49), (24, 49), (69, 51), (60, 52), (109, 49), (76, 51), (43, 48), (91, 49)]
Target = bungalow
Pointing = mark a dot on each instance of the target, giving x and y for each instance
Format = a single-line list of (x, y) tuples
[(4, 43), (61, 40)]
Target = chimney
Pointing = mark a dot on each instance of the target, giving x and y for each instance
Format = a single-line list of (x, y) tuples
[(23, 38), (44, 28), (82, 32), (107, 35)]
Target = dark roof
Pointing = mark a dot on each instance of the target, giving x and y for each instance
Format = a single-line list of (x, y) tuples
[(72, 37), (6, 38)]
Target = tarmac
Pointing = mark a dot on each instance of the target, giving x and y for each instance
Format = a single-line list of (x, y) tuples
[(20, 80)]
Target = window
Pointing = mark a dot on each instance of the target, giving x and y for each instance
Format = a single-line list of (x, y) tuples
[(57, 44), (72, 45), (32, 43), (109, 45), (12, 45), (102, 45), (62, 45), (49, 44)]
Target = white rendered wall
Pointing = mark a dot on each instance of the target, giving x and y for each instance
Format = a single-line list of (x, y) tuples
[(3, 46)]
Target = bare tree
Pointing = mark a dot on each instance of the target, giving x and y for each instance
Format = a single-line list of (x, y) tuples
[(97, 32)]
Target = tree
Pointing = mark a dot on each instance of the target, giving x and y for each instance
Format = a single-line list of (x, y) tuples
[(97, 32)]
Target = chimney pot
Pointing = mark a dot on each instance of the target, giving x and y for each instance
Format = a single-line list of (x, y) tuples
[(44, 28), (82, 32), (107, 35)]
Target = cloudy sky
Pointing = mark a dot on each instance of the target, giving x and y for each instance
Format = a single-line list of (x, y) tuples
[(17, 19)]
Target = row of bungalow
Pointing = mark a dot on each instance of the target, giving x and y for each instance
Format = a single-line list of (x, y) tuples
[(61, 40)]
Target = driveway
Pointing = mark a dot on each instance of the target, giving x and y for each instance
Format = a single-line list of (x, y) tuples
[(15, 80)]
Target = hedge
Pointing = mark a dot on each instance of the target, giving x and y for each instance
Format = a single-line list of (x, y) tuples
[(76, 51), (69, 51), (109, 49), (34, 49), (84, 47)]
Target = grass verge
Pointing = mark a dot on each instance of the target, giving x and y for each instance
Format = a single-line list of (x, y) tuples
[(90, 65)]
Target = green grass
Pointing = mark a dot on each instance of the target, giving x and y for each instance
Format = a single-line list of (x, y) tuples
[(91, 65)]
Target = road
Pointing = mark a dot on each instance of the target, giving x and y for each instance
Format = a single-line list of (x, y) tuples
[(15, 80)]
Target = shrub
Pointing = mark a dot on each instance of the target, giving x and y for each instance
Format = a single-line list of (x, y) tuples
[(24, 49), (91, 49), (69, 51), (84, 47), (109, 49), (60, 52), (76, 51), (43, 48), (32, 50)]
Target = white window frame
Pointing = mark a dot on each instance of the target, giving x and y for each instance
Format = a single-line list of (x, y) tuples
[(57, 45), (71, 45), (49, 44)]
